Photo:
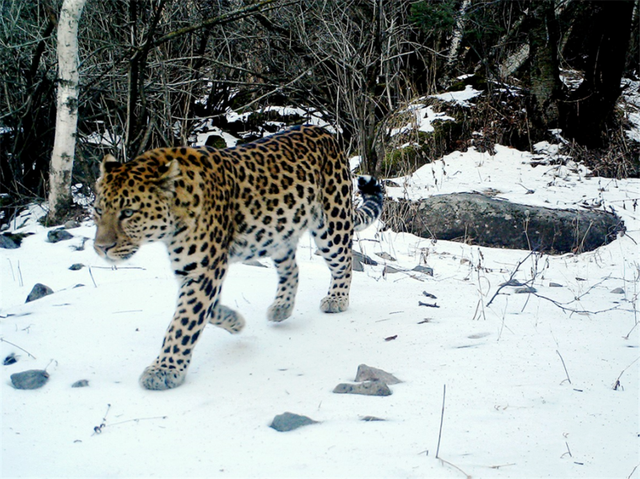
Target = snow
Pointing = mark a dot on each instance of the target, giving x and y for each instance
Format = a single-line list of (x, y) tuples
[(422, 117), (459, 97), (511, 407)]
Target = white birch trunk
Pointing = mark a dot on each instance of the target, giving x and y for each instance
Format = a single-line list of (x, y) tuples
[(67, 109), (456, 39)]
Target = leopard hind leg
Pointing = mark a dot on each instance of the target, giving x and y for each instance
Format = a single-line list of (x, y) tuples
[(226, 318), (335, 248), (287, 268)]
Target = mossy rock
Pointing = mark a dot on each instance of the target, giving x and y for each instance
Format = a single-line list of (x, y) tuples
[(216, 141)]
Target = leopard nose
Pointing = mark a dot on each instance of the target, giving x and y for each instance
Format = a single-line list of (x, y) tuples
[(102, 249)]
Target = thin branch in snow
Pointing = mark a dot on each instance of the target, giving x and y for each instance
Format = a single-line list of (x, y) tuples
[(444, 394), (509, 281), (564, 366), (616, 384), (16, 346)]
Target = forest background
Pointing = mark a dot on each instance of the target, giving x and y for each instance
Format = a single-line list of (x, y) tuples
[(155, 73)]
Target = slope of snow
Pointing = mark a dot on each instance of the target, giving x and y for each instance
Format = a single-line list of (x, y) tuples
[(529, 379)]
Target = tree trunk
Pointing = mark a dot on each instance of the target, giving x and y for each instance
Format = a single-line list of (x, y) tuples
[(456, 41), (603, 28), (544, 72), (67, 111)]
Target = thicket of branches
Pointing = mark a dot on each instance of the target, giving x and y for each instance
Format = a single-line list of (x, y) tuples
[(152, 70)]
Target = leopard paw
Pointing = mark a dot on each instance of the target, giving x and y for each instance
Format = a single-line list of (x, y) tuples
[(279, 310), (227, 319), (158, 378), (334, 304)]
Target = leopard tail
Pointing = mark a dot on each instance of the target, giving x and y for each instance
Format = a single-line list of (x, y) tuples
[(371, 207)]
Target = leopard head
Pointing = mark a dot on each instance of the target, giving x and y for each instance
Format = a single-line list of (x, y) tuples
[(133, 205)]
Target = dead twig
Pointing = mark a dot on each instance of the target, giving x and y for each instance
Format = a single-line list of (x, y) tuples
[(509, 282), (564, 366), (444, 394), (16, 346), (617, 384)]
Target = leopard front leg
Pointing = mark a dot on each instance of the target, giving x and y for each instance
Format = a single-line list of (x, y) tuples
[(169, 370)]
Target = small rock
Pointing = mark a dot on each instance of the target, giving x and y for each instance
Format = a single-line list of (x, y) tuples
[(423, 269), (385, 256), (83, 383), (76, 266), (289, 421), (7, 242), (254, 262), (367, 388), (32, 379), (364, 259), (555, 285), (367, 373), (390, 270), (617, 291), (10, 359), (526, 290), (371, 419), (59, 234), (512, 282), (39, 291), (69, 225), (357, 265)]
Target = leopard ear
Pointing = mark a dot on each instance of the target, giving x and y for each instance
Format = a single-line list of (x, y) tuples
[(167, 176), (108, 163)]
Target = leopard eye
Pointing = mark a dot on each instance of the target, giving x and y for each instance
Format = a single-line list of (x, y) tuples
[(126, 213), (97, 210)]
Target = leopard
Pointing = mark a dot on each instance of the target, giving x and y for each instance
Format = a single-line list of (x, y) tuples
[(213, 207)]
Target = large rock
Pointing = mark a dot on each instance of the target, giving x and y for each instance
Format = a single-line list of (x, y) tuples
[(486, 221)]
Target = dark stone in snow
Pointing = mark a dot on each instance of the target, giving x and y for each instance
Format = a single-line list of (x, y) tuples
[(364, 259), (617, 291), (423, 269), (367, 388), (386, 256), (59, 234), (32, 379), (39, 291), (367, 373), (357, 265), (71, 224), (390, 270), (7, 242), (83, 383), (254, 262), (76, 266), (555, 285), (526, 290), (371, 419), (10, 359), (289, 421)]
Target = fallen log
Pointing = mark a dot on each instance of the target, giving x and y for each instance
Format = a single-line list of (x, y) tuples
[(478, 219)]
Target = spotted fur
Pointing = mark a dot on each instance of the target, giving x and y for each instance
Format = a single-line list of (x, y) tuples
[(212, 207)]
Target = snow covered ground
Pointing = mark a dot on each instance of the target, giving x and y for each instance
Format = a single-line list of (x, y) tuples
[(539, 385)]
